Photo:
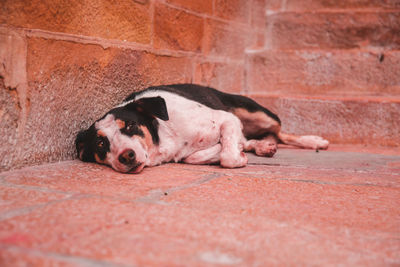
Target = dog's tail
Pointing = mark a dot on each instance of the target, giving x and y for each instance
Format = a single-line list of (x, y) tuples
[(304, 141)]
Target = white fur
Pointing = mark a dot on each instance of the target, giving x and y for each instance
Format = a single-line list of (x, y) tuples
[(206, 156), (193, 127)]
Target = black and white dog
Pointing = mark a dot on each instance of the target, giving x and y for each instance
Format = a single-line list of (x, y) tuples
[(185, 123)]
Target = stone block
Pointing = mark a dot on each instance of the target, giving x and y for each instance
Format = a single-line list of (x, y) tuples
[(128, 20), (204, 7), (312, 5), (177, 29), (9, 117), (13, 96), (234, 10), (222, 76), (226, 40), (319, 72), (258, 16), (333, 30)]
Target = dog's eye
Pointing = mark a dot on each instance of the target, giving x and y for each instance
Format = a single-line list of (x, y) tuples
[(130, 127), (100, 143), (101, 147)]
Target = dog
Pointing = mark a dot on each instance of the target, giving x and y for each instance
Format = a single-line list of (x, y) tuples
[(185, 123)]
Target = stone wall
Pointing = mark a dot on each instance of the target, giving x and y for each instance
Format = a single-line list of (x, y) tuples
[(64, 63), (331, 68)]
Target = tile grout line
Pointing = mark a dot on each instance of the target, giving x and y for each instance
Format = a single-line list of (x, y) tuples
[(155, 195), (28, 209), (34, 188), (258, 176), (72, 259)]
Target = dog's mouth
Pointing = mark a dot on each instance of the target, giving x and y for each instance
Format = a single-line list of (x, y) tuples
[(138, 167)]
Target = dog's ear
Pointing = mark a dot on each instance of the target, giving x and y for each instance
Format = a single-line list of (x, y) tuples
[(82, 146), (154, 106)]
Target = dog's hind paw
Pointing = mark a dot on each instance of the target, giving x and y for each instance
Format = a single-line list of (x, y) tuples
[(313, 142)]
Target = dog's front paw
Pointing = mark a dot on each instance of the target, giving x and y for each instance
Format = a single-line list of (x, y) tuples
[(233, 160)]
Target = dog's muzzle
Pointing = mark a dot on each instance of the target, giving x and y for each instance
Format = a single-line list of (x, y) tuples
[(128, 159)]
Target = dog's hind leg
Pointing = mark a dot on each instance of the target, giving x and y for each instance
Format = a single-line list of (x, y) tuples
[(261, 130), (304, 141)]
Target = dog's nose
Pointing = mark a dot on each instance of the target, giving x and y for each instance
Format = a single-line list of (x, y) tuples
[(127, 157)]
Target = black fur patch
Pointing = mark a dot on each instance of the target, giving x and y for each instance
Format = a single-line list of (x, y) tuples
[(136, 119), (131, 128), (84, 144), (88, 143), (101, 147), (212, 98)]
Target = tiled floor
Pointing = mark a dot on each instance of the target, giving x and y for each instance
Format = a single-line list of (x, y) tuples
[(298, 208)]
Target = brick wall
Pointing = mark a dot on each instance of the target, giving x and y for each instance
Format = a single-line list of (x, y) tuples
[(65, 63)]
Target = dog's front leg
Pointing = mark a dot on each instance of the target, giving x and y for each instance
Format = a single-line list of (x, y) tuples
[(207, 156), (232, 141)]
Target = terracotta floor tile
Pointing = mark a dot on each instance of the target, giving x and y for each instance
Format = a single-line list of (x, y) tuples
[(15, 256), (14, 198), (298, 208), (75, 177)]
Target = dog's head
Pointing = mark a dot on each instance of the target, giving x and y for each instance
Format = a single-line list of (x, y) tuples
[(123, 137)]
